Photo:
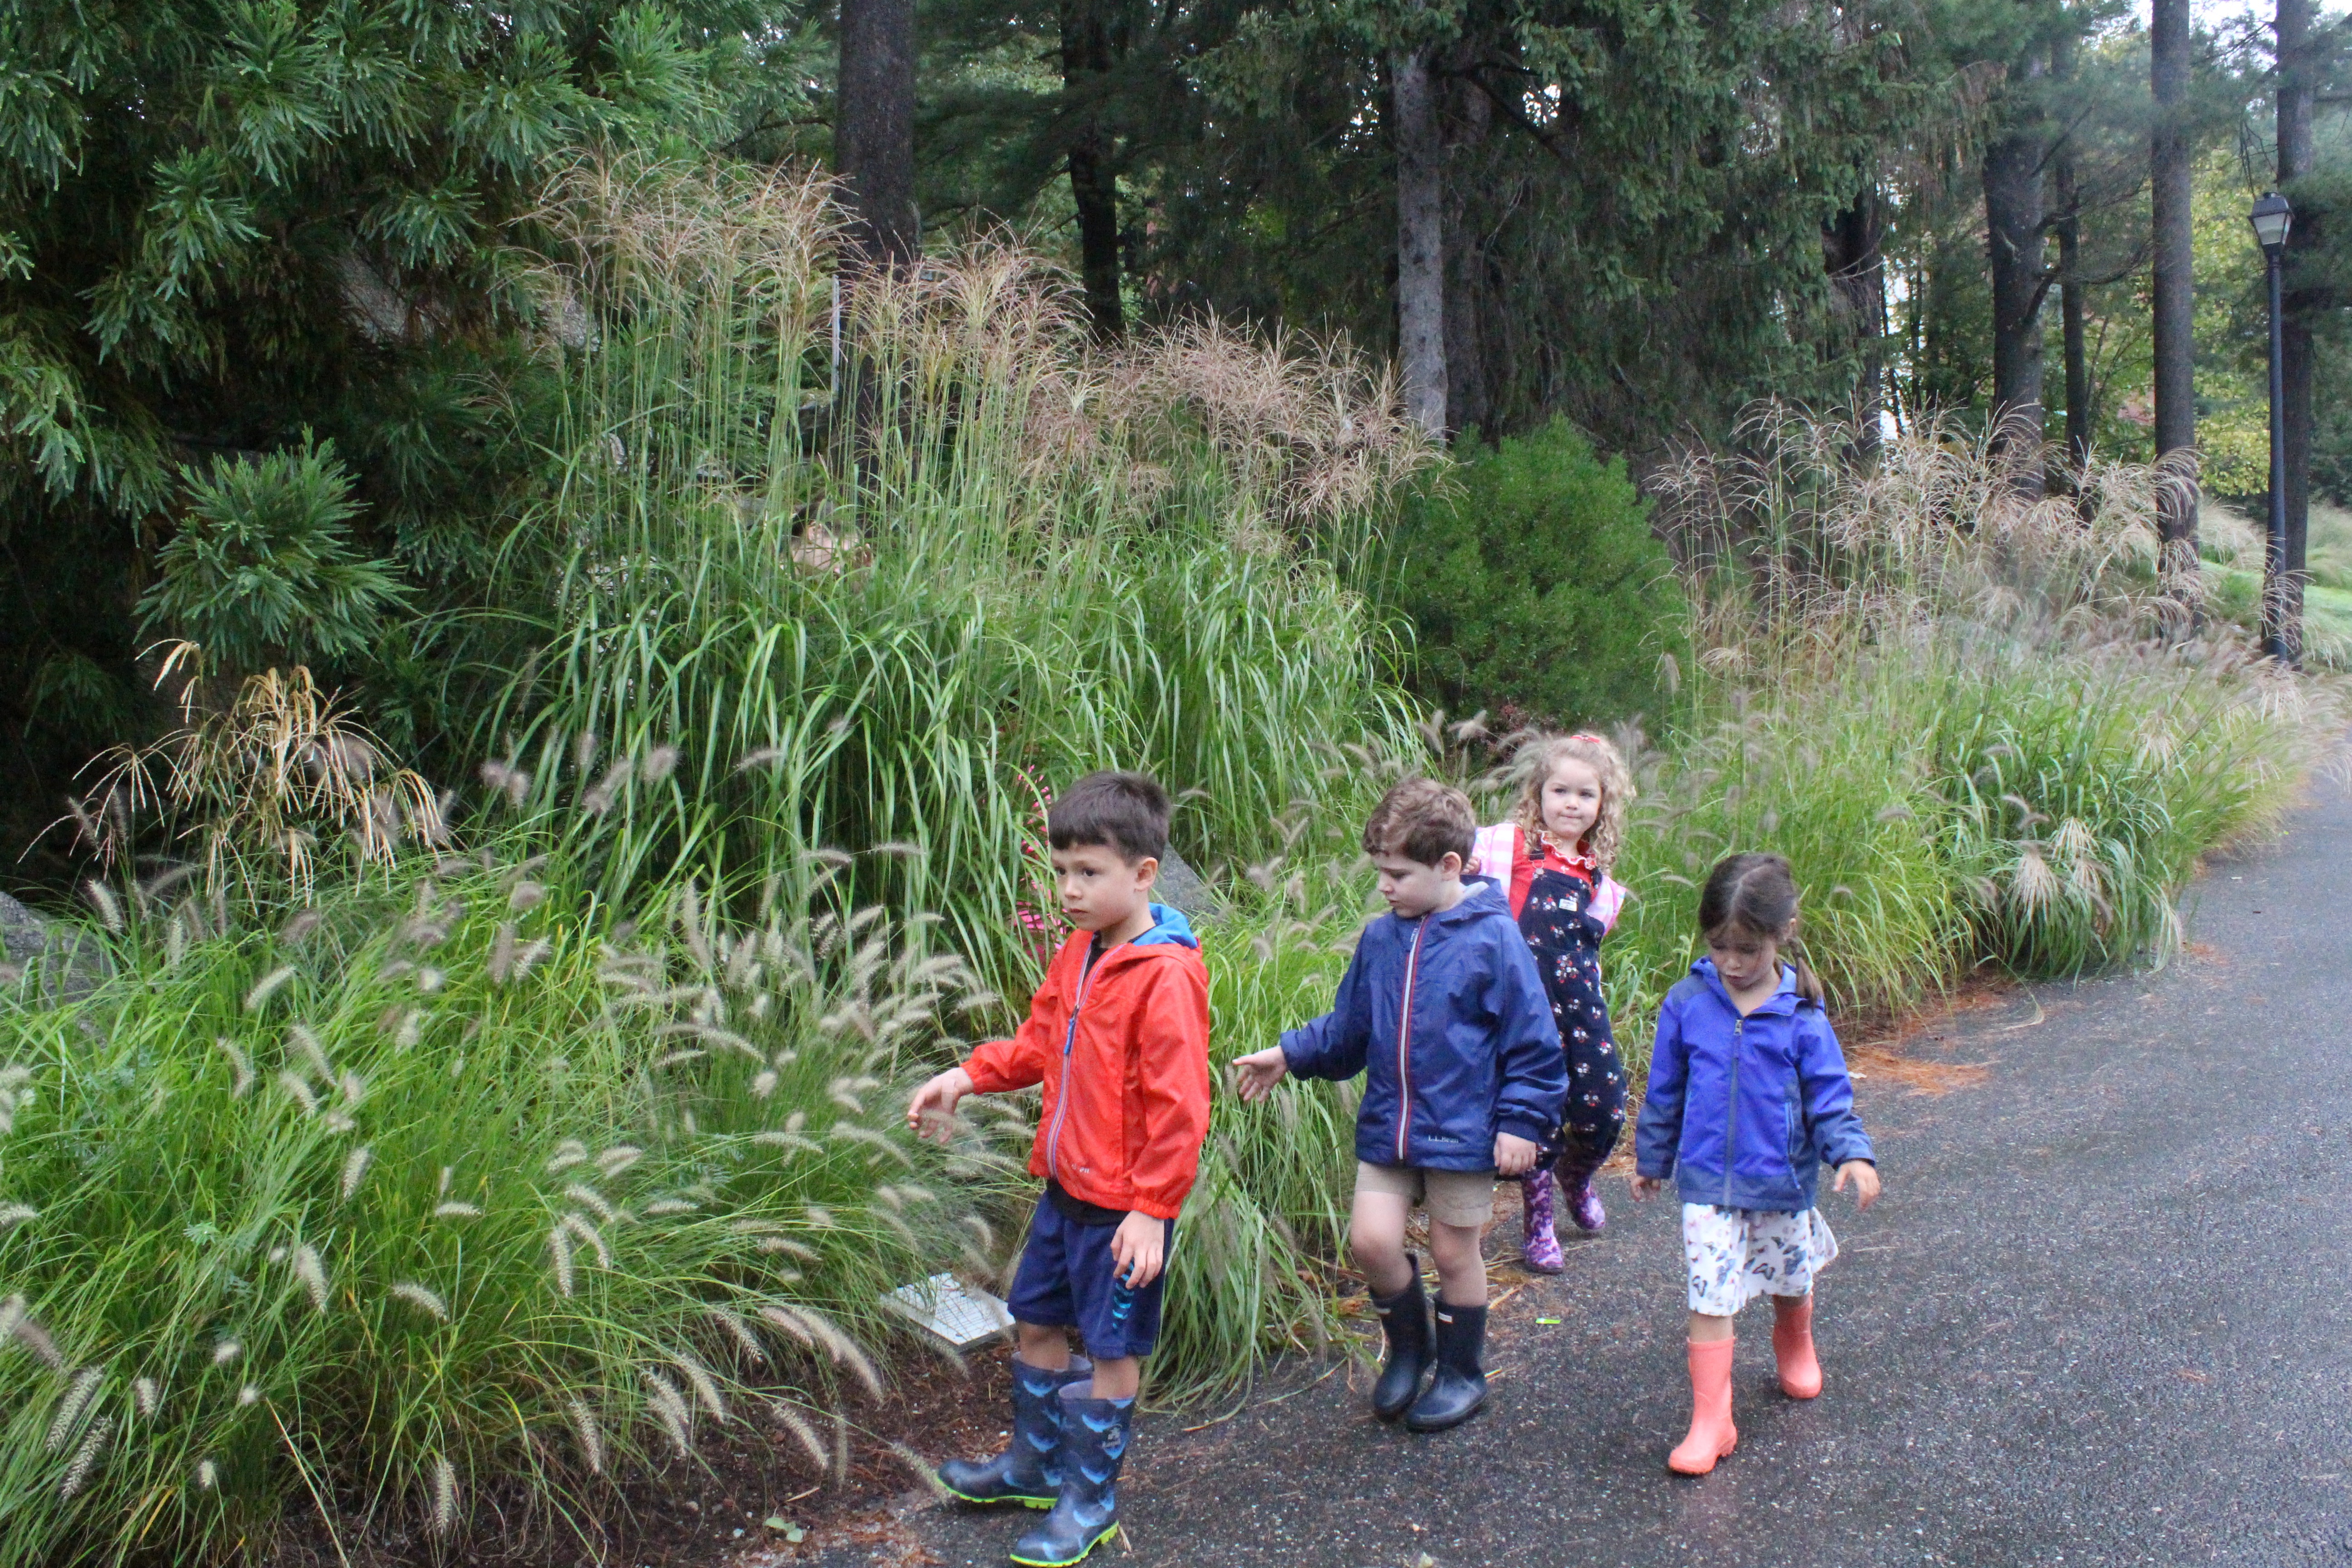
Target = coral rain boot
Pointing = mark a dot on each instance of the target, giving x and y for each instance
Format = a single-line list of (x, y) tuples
[(1029, 1471), (1792, 1346), (1541, 1251), (1405, 1319), (1712, 1434), (1094, 1445)]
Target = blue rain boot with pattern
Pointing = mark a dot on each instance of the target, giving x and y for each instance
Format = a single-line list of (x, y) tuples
[(1094, 1442), (1029, 1471)]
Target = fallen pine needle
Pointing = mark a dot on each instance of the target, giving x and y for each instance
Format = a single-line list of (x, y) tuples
[(1236, 1410)]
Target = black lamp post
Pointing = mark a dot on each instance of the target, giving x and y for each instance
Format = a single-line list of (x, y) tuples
[(2272, 217)]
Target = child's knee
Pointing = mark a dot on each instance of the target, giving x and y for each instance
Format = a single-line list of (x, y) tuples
[(1375, 1242), (1040, 1345)]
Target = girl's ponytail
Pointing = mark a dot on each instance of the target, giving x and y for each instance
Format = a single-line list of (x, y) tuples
[(1808, 984)]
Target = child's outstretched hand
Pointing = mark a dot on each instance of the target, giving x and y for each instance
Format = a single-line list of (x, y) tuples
[(1648, 1187), (1514, 1155), (931, 1113), (1256, 1075), (1865, 1176)]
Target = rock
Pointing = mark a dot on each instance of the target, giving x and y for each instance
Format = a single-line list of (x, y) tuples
[(1183, 888), (48, 964)]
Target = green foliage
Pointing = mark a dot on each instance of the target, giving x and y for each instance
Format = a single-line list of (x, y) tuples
[(225, 224), (261, 569), (1535, 585), (1046, 564), (436, 1191)]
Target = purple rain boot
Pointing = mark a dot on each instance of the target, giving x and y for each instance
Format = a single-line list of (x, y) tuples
[(1576, 1169), (1541, 1252)]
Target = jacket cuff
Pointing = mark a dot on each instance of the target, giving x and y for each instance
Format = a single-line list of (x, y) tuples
[(985, 1078), (1155, 1207), (1518, 1127), (1654, 1171)]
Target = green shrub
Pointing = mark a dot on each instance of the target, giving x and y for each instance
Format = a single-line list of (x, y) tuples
[(1535, 586), (438, 1191), (262, 568)]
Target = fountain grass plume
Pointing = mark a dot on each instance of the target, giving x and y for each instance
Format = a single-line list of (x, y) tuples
[(361, 1288)]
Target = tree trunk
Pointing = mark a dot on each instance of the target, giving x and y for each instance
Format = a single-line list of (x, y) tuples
[(2174, 269), (2295, 94), (874, 130), (1858, 272), (1421, 246), (1465, 119), (2014, 211), (1094, 183), (2071, 292)]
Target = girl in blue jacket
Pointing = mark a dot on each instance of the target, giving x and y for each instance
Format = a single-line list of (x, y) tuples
[(1748, 1098)]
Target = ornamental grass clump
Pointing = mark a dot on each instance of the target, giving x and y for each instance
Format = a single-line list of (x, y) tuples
[(872, 561), (438, 1200)]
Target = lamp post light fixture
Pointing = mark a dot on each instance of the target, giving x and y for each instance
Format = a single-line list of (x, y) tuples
[(2272, 217)]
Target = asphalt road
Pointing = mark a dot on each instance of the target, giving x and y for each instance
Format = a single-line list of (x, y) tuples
[(2100, 1317)]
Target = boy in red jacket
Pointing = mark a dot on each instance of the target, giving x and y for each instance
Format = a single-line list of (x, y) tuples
[(1118, 1034)]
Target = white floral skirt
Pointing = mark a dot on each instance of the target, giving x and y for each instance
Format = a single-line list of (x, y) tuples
[(1738, 1255)]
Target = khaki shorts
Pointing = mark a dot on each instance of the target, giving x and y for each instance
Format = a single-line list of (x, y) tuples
[(1452, 1197)]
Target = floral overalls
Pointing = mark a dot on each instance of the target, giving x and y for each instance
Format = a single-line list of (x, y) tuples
[(1564, 930)]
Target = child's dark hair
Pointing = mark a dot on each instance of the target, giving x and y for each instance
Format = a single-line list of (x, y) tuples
[(1126, 812), (1756, 894), (1421, 820)]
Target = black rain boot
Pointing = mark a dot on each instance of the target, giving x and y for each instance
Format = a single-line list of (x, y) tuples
[(1404, 1321), (1094, 1441), (1460, 1386), (1029, 1471)]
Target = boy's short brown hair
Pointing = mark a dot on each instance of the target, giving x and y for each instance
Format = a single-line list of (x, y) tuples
[(1126, 812), (1421, 820)]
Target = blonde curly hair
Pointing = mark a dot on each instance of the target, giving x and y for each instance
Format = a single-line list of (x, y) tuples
[(1534, 765)]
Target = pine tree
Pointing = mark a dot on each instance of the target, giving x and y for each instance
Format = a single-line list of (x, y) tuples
[(226, 222)]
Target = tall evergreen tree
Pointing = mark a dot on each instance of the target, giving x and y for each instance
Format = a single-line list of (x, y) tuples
[(2170, 172), (2296, 69), (874, 128), (226, 222)]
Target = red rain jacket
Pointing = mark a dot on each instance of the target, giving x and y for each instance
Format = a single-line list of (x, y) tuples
[(1123, 1052)]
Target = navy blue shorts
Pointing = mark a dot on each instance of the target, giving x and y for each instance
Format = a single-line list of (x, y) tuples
[(1065, 1282)]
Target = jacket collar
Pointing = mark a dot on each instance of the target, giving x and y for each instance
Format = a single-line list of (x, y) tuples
[(1168, 929), (1481, 895), (1780, 1004)]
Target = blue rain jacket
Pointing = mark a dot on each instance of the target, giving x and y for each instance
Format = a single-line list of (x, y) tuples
[(1447, 1019), (1743, 1112)]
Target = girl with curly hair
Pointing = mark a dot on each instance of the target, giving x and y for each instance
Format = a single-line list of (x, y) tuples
[(1552, 860)]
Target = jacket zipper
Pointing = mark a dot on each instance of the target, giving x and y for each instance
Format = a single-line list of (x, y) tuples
[(1062, 1101), (1731, 1114), (1404, 1043)]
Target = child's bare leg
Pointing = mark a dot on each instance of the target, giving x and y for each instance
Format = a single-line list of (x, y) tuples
[(1118, 1378), (1376, 1237), (1048, 1349), (1461, 1270), (1708, 1331)]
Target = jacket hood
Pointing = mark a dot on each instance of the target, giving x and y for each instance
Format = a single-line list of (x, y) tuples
[(1168, 929), (1480, 896), (1784, 997)]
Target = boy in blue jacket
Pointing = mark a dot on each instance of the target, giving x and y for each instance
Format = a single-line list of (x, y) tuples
[(1443, 1012)]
